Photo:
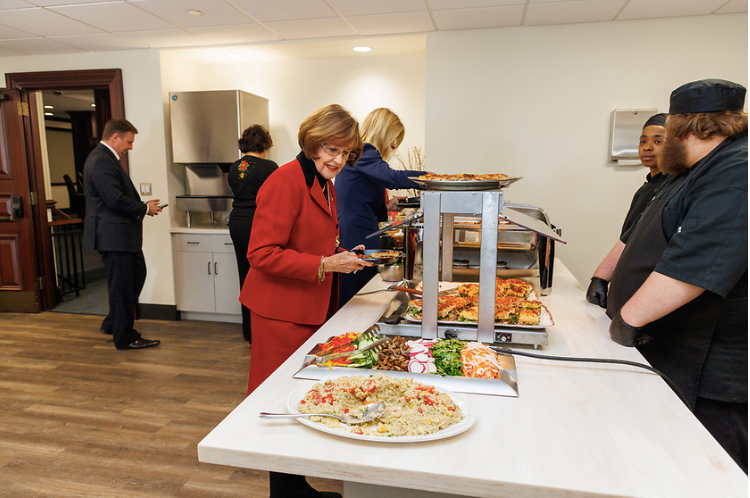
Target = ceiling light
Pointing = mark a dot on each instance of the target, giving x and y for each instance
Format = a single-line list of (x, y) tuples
[(93, 105), (362, 49), (49, 114), (234, 55), (193, 12), (49, 107)]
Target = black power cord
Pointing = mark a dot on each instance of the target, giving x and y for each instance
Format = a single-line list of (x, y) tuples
[(597, 360)]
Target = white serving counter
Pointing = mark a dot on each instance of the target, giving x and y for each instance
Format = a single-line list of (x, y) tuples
[(576, 429), (202, 229)]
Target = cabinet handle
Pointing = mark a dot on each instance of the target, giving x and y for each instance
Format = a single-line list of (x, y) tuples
[(192, 243), (209, 268), (216, 268)]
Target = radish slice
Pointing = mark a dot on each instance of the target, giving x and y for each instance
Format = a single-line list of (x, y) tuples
[(421, 357), (417, 367)]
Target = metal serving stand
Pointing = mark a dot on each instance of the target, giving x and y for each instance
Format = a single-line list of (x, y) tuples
[(439, 208)]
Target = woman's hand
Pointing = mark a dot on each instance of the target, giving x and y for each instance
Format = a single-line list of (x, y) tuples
[(345, 262), (393, 203)]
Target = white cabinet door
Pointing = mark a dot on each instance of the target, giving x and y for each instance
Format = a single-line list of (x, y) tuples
[(195, 281), (226, 283)]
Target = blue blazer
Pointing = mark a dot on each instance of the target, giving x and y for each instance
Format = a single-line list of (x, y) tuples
[(361, 196), (114, 211)]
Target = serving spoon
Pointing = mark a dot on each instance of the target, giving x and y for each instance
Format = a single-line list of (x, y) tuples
[(364, 413)]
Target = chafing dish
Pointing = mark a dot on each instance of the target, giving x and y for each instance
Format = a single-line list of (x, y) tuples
[(521, 252)]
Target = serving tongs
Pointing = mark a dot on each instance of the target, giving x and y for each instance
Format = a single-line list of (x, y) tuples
[(369, 334), (322, 360), (406, 221), (418, 292), (394, 287)]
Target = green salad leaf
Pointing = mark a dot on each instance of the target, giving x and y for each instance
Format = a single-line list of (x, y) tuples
[(447, 356)]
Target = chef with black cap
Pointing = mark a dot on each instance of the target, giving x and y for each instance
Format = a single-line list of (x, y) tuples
[(679, 290), (649, 144)]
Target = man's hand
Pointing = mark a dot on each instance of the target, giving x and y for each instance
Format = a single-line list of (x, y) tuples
[(153, 207), (623, 333), (597, 292)]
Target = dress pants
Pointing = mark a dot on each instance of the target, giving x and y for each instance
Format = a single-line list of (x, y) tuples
[(727, 423), (126, 274), (239, 230)]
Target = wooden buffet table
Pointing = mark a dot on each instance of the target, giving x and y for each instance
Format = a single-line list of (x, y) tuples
[(576, 429)]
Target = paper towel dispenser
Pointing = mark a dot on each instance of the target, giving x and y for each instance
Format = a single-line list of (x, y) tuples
[(626, 133)]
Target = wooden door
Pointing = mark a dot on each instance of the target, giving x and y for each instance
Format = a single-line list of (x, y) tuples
[(18, 267)]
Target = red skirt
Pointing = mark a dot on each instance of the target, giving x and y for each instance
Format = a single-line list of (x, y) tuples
[(274, 342)]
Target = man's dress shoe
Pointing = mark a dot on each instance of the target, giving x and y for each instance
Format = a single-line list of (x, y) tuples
[(105, 332), (142, 343)]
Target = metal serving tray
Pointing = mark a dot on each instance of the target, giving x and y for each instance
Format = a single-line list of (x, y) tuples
[(507, 385), (503, 334), (448, 185)]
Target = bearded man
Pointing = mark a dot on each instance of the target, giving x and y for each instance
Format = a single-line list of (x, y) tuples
[(679, 290)]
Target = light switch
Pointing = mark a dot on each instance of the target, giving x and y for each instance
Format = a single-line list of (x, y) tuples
[(145, 189)]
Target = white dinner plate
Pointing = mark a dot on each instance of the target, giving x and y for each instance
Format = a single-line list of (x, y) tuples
[(470, 417)]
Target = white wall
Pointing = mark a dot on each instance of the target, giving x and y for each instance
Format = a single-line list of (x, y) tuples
[(296, 88), (148, 163), (536, 102)]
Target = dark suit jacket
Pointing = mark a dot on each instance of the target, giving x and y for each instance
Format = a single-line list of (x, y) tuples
[(114, 211), (293, 228)]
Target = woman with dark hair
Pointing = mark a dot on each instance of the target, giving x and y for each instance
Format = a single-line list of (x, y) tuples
[(245, 179), (294, 253)]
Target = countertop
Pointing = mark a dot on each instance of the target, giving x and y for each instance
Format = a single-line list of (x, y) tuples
[(576, 429), (206, 229)]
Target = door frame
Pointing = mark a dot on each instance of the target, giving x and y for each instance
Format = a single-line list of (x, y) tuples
[(86, 79)]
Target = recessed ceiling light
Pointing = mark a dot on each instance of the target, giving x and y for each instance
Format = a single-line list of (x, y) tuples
[(49, 107), (193, 12), (362, 49), (49, 114), (93, 105)]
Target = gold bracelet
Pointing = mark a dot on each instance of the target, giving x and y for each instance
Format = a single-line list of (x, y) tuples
[(321, 269)]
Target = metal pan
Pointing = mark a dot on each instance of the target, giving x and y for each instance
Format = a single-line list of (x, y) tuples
[(382, 261), (411, 202), (465, 184)]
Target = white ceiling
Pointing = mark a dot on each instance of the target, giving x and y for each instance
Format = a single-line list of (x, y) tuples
[(38, 27)]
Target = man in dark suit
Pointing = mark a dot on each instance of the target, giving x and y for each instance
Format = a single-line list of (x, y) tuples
[(114, 227)]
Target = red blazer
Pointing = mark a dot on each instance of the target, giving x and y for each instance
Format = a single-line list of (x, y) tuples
[(293, 227)]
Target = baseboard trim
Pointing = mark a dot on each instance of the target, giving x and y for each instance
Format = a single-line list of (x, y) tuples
[(168, 312)]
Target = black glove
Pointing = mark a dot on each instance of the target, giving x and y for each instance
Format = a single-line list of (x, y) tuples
[(597, 292), (625, 334)]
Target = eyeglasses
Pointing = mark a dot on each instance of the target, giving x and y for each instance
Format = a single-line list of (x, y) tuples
[(335, 152)]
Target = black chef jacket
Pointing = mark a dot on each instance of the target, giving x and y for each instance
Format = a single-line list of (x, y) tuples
[(705, 222), (641, 198)]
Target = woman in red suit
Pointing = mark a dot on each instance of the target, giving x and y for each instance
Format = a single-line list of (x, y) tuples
[(292, 289)]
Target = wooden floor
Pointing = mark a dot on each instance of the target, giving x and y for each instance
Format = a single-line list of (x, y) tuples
[(79, 418)]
